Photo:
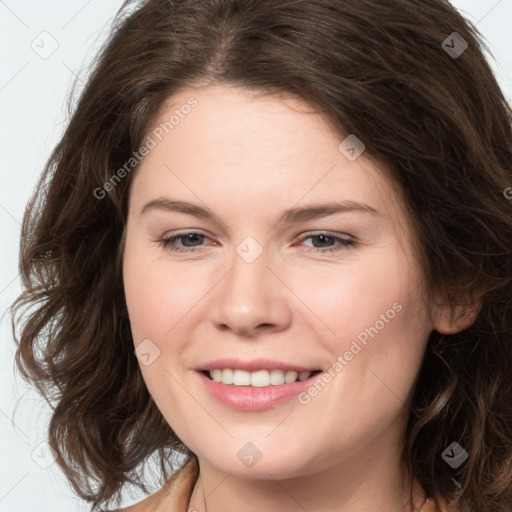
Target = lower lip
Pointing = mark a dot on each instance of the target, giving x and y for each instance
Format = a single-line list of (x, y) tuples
[(252, 399)]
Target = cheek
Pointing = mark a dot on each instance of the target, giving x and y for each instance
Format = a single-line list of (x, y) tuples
[(349, 297), (158, 295), (160, 301), (372, 311)]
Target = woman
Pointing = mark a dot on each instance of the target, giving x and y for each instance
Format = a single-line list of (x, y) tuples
[(334, 336)]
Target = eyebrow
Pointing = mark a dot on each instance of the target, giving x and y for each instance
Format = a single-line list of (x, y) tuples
[(291, 215)]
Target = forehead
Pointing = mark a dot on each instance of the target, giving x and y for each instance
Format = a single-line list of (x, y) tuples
[(253, 148), (242, 133)]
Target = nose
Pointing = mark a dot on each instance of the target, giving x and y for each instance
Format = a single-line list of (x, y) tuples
[(251, 298)]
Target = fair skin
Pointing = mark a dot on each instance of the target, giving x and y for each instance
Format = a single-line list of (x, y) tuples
[(248, 159)]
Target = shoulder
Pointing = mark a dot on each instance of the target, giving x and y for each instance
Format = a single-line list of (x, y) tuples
[(174, 495)]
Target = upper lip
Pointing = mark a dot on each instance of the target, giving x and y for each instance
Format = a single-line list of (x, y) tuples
[(254, 365)]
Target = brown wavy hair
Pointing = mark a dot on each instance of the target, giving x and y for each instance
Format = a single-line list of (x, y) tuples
[(440, 126)]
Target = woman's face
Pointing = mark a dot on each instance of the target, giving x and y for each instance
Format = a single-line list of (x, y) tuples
[(259, 283)]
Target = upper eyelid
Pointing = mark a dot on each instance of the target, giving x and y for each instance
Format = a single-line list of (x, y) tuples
[(301, 237), (184, 233)]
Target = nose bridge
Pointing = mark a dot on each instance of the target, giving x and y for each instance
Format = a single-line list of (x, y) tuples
[(250, 294), (249, 276)]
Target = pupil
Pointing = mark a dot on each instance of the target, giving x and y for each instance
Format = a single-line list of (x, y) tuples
[(189, 238), (324, 238)]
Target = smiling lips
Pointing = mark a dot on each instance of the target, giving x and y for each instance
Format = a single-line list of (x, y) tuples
[(259, 379), (255, 365), (256, 373), (254, 385)]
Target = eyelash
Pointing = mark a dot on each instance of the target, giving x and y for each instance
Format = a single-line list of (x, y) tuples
[(344, 242)]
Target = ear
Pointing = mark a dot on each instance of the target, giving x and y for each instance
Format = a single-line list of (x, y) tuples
[(455, 317)]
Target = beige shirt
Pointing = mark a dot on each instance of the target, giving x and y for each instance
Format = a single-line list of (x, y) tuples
[(175, 495)]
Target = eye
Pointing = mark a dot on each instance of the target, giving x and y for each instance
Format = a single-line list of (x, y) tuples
[(325, 239), (188, 237), (190, 240)]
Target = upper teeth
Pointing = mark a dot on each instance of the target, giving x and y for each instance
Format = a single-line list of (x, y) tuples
[(260, 379)]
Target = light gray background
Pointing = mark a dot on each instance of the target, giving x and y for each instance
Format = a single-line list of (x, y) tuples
[(34, 87)]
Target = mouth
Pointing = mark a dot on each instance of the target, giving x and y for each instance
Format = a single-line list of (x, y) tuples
[(241, 394), (260, 379)]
